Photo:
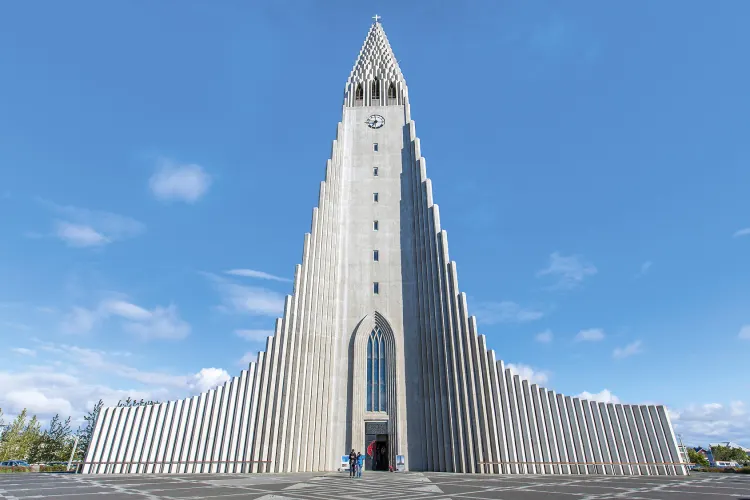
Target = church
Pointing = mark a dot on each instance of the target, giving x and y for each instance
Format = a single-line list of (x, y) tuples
[(376, 349)]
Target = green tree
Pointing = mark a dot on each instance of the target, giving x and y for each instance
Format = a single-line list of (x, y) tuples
[(132, 402), (2, 430), (59, 438), (20, 438), (11, 441), (697, 458), (85, 433), (35, 449), (725, 453), (31, 435), (54, 444)]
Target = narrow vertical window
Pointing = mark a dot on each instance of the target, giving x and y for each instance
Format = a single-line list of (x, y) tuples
[(375, 146), (376, 89), (381, 375), (374, 171), (375, 255), (375, 372), (375, 197), (391, 91), (376, 288), (369, 374), (359, 93), (376, 367), (374, 225)]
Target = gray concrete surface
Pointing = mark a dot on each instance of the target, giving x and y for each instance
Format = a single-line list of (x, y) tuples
[(373, 486)]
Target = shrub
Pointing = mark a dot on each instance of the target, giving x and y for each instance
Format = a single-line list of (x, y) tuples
[(53, 468), (11, 470), (739, 470)]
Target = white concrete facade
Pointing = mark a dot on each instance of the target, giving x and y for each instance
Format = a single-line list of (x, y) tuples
[(449, 404)]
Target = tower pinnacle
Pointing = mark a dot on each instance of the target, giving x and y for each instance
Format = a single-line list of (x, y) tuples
[(376, 75)]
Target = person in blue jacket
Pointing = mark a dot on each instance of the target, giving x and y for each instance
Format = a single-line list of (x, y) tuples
[(360, 464)]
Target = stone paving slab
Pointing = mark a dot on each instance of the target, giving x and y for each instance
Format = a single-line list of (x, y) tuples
[(373, 486)]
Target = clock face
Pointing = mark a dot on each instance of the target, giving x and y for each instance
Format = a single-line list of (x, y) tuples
[(375, 121)]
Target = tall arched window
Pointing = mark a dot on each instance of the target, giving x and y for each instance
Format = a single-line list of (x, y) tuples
[(359, 93), (376, 371), (376, 89), (391, 91)]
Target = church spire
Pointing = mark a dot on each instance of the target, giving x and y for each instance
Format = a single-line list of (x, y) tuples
[(376, 79)]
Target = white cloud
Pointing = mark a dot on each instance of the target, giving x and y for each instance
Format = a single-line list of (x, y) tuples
[(125, 310), (629, 350), (249, 273), (252, 300), (698, 424), (544, 337), (24, 351), (248, 358), (78, 320), (246, 299), (590, 335), (17, 326), (160, 322), (526, 372), (490, 313), (741, 232), (254, 335), (82, 228), (55, 386), (744, 332), (644, 269), (570, 271), (179, 182), (737, 408), (208, 378), (701, 424), (604, 396), (37, 402), (45, 390), (77, 235)]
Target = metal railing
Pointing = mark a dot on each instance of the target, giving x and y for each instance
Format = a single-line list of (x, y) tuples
[(584, 464), (174, 462)]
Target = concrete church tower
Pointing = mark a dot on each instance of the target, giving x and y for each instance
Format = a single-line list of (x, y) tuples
[(376, 345)]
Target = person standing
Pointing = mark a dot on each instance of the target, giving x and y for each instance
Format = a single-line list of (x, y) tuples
[(360, 464), (352, 462)]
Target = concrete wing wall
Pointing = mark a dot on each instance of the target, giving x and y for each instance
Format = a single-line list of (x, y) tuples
[(274, 417), (480, 417), (205, 433)]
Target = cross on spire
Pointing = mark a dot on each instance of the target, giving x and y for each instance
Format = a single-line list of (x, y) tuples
[(377, 18)]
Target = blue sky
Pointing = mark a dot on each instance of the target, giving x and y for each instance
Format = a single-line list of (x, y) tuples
[(590, 160)]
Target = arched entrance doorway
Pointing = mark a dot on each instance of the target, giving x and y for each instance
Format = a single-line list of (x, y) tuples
[(373, 399)]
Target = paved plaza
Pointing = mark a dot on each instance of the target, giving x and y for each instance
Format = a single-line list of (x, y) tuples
[(373, 486)]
